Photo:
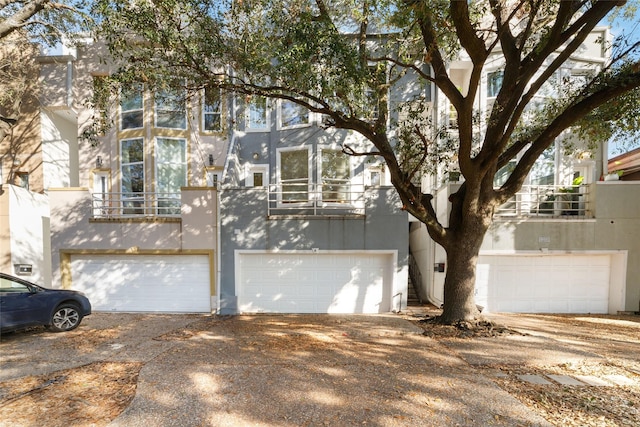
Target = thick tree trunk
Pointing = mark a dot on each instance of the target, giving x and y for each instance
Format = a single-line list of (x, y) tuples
[(459, 284)]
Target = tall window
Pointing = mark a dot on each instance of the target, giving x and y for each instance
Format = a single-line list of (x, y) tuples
[(257, 113), (171, 173), (292, 114), (494, 83), (131, 107), (543, 171), (170, 109), (294, 175), (335, 174), (100, 193), (132, 175), (212, 110)]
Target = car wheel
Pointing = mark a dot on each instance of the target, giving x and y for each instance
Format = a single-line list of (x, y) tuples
[(65, 318)]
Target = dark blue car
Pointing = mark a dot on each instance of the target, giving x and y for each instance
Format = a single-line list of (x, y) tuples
[(23, 304)]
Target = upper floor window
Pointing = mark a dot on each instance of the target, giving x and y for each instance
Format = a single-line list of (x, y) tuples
[(171, 173), (132, 166), (292, 114), (494, 83), (212, 110), (335, 173), (294, 176), (132, 176), (170, 109), (171, 164), (131, 107), (257, 113)]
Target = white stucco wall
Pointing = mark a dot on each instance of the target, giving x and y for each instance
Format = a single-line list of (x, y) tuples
[(29, 233)]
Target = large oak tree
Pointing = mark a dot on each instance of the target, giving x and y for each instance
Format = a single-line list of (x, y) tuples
[(339, 58)]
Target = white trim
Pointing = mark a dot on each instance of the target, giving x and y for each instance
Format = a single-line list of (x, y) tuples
[(250, 169)]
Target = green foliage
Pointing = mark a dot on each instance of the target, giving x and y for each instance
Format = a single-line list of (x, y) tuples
[(46, 21)]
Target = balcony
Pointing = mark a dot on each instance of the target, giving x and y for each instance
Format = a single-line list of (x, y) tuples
[(335, 197), (548, 201), (135, 205)]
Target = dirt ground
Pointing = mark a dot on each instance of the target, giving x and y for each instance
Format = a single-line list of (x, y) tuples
[(96, 393)]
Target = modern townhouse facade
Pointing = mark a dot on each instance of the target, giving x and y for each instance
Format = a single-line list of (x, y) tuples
[(236, 204), (223, 204), (566, 242)]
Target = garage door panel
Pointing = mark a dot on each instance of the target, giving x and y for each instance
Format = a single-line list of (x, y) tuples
[(576, 283), (140, 283), (314, 283)]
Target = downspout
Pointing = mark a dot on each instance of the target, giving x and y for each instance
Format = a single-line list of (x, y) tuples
[(218, 255), (69, 83)]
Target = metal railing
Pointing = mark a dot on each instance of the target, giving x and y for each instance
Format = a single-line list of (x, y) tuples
[(548, 201), (331, 198), (132, 205)]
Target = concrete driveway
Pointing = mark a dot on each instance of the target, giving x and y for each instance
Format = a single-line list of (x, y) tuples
[(288, 370)]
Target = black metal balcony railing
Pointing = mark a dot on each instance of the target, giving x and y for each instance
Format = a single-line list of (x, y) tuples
[(548, 201), (335, 197), (130, 205)]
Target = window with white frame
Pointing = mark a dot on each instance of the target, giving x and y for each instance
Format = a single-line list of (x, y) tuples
[(131, 107), (494, 83), (212, 110), (132, 175), (335, 175), (100, 198), (170, 109), (256, 176), (171, 173), (372, 99), (294, 177), (212, 177), (293, 115), (257, 113), (375, 175)]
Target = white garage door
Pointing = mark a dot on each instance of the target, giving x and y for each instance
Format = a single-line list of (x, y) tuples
[(314, 283), (144, 283), (544, 284)]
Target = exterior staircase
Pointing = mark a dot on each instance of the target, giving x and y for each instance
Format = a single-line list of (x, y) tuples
[(413, 299)]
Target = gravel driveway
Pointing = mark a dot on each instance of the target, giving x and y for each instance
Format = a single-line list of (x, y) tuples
[(305, 370)]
